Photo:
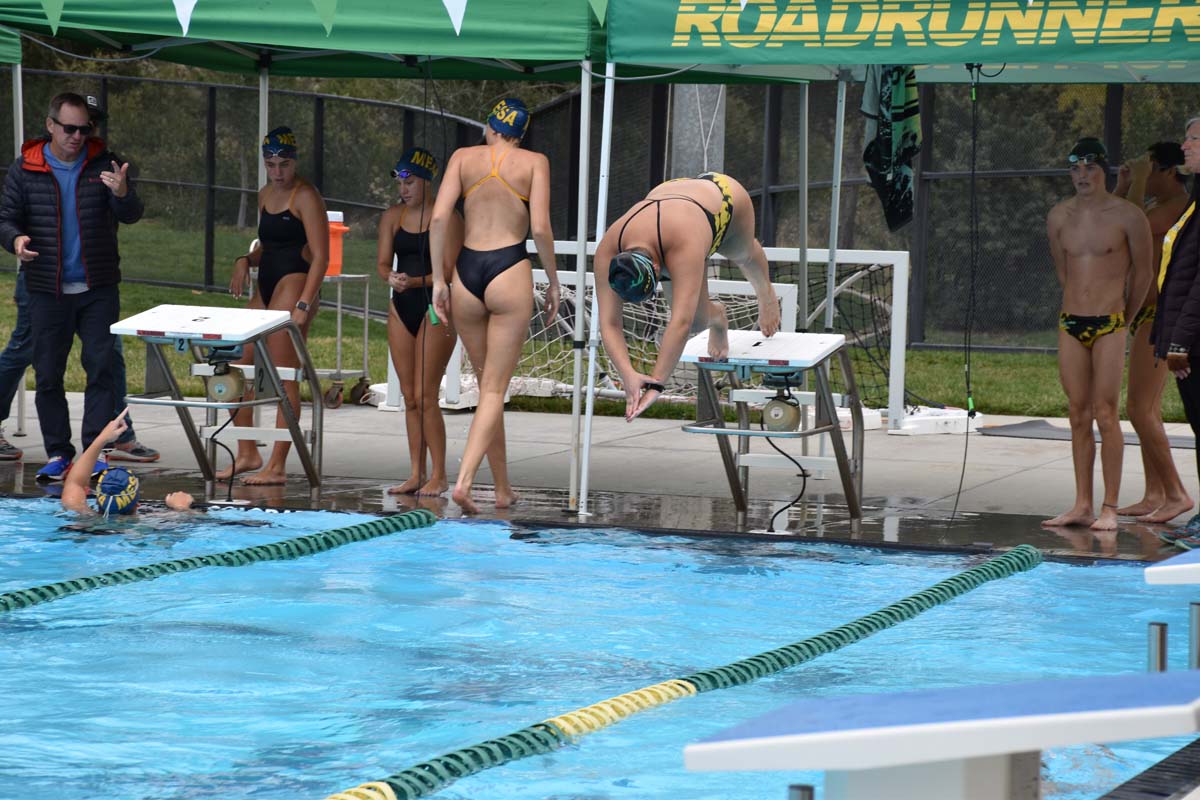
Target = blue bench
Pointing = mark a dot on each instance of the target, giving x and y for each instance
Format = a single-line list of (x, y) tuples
[(976, 742)]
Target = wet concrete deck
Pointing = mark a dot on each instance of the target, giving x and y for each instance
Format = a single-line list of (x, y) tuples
[(650, 475)]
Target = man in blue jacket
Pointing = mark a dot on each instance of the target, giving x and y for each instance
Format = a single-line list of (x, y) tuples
[(59, 211)]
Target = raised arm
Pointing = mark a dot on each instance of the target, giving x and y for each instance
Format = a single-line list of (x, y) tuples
[(439, 233), (1141, 252), (75, 485), (543, 234)]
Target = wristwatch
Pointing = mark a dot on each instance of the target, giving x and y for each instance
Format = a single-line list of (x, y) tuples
[(303, 306)]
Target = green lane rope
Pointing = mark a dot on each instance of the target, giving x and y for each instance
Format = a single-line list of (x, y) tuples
[(274, 551), (431, 776)]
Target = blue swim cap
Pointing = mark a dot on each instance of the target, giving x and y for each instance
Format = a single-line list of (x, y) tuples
[(509, 117), (631, 276), (280, 142), (416, 161), (117, 491)]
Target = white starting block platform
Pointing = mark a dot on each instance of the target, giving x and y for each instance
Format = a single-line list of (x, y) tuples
[(967, 743), (195, 330), (1181, 569), (782, 354)]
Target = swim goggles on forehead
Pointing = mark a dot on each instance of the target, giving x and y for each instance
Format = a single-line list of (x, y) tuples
[(278, 151), (1086, 159), (401, 174)]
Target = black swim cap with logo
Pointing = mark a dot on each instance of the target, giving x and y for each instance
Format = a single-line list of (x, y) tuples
[(1089, 150), (631, 276)]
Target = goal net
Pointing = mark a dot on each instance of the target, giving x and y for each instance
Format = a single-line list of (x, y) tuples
[(870, 299)]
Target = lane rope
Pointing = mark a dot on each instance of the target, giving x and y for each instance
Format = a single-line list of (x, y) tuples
[(274, 551), (429, 777)]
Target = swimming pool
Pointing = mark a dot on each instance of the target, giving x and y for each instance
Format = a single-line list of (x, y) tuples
[(301, 678)]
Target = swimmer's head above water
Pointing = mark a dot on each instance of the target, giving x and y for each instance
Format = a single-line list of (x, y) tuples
[(509, 118), (117, 491), (631, 275)]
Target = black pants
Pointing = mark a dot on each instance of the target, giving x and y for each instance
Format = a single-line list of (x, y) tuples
[(56, 320)]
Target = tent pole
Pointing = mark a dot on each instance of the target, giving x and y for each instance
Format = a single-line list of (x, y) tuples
[(264, 88), (581, 240), (18, 101), (836, 201), (802, 130), (610, 72)]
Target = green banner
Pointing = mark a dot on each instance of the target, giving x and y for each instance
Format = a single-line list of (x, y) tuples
[(901, 32)]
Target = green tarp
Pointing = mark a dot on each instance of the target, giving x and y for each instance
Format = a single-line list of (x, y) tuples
[(10, 47), (496, 39), (1040, 40)]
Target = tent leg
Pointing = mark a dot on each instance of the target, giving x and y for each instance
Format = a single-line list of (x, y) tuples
[(264, 110), (581, 239), (18, 94), (836, 199), (610, 72)]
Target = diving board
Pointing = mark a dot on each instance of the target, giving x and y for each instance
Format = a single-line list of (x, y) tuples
[(218, 336), (783, 356), (1180, 569), (963, 743)]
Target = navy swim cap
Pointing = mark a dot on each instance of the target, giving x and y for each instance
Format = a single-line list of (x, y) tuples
[(280, 142), (117, 491), (631, 276), (416, 161), (509, 117)]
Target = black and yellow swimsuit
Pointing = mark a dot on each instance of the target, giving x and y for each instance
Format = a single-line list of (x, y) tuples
[(1146, 314), (1088, 329), (719, 222)]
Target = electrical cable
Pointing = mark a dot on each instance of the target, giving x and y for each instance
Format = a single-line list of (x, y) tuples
[(60, 51), (975, 70), (803, 474), (232, 458), (632, 78)]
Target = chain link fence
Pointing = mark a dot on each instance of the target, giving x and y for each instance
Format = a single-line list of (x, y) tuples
[(195, 150)]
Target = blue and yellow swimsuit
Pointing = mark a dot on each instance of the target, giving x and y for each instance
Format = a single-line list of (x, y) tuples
[(1088, 329)]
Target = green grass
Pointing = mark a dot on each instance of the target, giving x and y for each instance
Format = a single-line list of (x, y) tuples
[(1003, 383)]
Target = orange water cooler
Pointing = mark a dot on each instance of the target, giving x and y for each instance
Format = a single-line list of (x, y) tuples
[(336, 231)]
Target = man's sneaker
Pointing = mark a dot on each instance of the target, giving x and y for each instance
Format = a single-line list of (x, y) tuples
[(133, 451), (9, 451), (101, 465), (55, 470)]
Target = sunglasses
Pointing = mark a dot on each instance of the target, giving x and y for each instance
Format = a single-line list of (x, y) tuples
[(71, 130), (1086, 159)]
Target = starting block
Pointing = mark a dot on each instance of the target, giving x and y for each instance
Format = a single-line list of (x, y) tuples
[(196, 329), (781, 359)]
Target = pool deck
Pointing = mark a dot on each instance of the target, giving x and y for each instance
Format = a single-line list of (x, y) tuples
[(649, 474)]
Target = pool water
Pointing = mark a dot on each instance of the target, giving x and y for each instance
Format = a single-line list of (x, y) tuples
[(302, 678)]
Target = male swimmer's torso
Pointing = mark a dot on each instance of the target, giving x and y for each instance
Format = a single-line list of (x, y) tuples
[(1096, 247)]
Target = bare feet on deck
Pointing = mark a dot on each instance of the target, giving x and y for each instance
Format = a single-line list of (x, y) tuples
[(1076, 516), (268, 477), (1107, 520), (1142, 507), (410, 486), (462, 496), (434, 487), (718, 332), (504, 499), (240, 465), (1169, 510)]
